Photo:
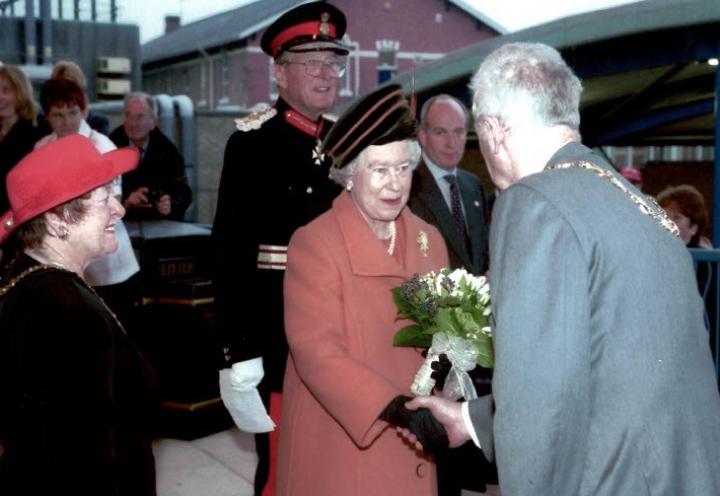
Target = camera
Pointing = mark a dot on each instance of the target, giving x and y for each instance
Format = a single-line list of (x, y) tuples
[(154, 195)]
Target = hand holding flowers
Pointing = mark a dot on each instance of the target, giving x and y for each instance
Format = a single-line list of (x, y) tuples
[(451, 314)]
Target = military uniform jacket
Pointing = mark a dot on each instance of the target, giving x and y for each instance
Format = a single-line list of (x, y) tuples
[(604, 382), (427, 202), (271, 184)]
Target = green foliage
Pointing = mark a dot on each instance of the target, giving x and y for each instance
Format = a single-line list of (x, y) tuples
[(454, 302)]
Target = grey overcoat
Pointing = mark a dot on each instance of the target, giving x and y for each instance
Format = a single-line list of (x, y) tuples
[(604, 383)]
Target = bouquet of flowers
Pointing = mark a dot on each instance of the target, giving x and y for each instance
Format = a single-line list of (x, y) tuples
[(451, 314)]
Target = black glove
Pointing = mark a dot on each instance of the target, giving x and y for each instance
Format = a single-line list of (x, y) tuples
[(429, 432), (441, 368)]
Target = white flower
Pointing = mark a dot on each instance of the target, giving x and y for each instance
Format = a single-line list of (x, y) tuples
[(458, 274)]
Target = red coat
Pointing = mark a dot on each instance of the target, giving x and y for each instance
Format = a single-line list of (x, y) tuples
[(343, 370)]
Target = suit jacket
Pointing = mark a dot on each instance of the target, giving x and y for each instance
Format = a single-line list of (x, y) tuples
[(161, 170), (343, 370), (426, 201), (604, 382)]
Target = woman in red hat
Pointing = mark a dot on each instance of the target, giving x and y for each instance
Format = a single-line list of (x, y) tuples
[(74, 391)]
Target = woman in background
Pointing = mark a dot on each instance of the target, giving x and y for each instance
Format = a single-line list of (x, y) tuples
[(114, 276), (18, 133), (686, 207)]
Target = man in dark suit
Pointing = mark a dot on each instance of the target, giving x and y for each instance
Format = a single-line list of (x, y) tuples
[(442, 133), (596, 392), (158, 188)]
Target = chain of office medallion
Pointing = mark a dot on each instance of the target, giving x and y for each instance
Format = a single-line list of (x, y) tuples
[(647, 205)]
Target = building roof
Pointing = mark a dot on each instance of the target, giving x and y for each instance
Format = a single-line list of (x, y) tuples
[(215, 31), (643, 67), (480, 16), (237, 24)]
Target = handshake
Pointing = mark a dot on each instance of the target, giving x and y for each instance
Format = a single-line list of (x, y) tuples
[(428, 431)]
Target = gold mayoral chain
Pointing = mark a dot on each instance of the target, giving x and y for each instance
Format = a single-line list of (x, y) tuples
[(9, 285), (646, 205)]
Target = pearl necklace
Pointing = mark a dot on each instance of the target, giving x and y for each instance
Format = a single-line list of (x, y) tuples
[(393, 238)]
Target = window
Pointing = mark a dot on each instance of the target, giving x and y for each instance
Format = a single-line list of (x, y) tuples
[(225, 79)]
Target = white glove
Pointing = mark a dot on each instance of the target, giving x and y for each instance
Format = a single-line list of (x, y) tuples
[(238, 390)]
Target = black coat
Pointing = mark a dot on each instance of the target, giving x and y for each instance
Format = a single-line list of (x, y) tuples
[(270, 186), (426, 201), (161, 170), (16, 144), (75, 394)]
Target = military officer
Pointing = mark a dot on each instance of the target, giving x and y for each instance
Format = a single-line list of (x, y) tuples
[(274, 180)]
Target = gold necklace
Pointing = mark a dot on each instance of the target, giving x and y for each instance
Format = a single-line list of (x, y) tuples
[(43, 258), (53, 266), (647, 205), (5, 288)]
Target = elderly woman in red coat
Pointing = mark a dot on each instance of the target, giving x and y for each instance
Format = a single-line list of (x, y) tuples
[(343, 372)]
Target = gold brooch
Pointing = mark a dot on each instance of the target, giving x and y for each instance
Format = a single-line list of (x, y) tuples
[(324, 26), (422, 240)]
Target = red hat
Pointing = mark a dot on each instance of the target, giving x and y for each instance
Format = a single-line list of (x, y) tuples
[(310, 27), (59, 172), (631, 174)]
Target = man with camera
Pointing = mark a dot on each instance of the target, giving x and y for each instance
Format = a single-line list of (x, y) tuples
[(158, 188)]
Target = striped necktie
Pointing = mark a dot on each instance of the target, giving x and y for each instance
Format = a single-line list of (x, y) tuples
[(457, 211)]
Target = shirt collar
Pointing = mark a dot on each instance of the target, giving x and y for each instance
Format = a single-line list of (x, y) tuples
[(85, 129), (438, 172)]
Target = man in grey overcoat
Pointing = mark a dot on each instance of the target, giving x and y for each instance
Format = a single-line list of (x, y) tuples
[(604, 382)]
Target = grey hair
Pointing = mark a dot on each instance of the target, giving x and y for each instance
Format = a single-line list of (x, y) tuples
[(442, 97), (341, 176), (527, 82), (142, 96), (283, 58)]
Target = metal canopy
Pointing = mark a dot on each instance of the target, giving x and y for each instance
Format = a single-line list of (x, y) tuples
[(644, 69)]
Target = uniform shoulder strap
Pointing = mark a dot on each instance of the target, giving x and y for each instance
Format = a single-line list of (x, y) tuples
[(256, 119)]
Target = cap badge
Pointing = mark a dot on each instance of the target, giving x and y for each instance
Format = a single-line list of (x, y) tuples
[(324, 26)]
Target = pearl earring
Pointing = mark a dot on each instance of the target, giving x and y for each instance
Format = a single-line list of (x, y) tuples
[(348, 186)]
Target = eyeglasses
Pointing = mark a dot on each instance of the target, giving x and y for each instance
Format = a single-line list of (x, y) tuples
[(315, 67), (138, 117)]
